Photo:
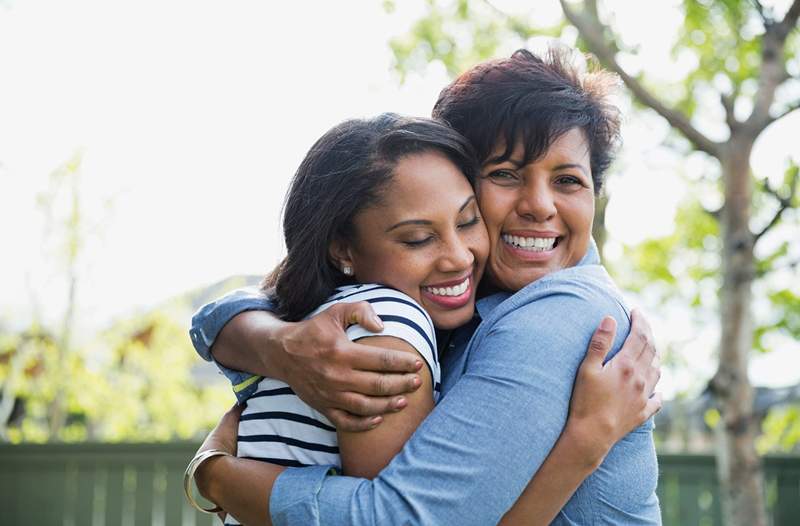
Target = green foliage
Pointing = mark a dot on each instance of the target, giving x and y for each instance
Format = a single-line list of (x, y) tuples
[(721, 43), (133, 383), (781, 430), (460, 33)]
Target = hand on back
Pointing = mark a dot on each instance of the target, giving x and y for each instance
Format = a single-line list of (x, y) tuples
[(610, 400)]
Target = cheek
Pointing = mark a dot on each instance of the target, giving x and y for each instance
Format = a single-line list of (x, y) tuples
[(492, 208)]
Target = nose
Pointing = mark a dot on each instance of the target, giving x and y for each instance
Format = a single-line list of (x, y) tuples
[(456, 255), (536, 202)]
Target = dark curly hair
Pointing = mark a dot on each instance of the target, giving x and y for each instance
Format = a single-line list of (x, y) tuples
[(533, 100)]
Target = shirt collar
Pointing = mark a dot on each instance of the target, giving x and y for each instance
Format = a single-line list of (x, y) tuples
[(486, 305)]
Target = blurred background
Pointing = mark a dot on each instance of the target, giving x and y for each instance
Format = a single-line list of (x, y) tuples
[(145, 148)]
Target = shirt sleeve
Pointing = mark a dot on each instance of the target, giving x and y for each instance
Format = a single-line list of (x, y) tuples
[(210, 319), (472, 457), (405, 319)]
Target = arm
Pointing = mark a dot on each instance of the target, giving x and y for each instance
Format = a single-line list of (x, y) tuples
[(608, 400), (237, 485), (435, 473), (365, 454), (351, 383), (521, 376)]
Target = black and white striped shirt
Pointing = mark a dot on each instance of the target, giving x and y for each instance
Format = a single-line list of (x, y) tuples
[(278, 427)]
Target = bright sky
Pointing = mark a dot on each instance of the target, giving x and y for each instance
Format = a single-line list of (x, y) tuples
[(192, 117)]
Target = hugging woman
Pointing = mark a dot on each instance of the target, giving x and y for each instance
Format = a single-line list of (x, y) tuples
[(543, 134)]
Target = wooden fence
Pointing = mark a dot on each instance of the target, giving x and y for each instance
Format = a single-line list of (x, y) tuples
[(140, 484)]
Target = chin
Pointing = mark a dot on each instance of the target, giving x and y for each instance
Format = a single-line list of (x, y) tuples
[(452, 320)]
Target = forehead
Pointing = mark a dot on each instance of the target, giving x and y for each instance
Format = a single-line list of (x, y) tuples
[(571, 146), (424, 183)]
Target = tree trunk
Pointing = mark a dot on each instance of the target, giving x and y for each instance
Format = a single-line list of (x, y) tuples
[(599, 232), (738, 464)]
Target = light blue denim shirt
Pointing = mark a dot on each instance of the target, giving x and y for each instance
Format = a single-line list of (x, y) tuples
[(505, 399)]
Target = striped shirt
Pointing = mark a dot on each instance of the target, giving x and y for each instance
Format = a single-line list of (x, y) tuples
[(278, 427)]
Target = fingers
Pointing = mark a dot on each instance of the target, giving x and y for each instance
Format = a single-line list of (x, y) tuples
[(367, 358), (361, 405), (601, 342), (381, 384), (642, 335), (653, 406), (653, 374), (360, 313), (345, 421)]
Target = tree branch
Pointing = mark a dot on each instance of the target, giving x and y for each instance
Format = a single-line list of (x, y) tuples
[(728, 102), (789, 20), (792, 107), (767, 19), (773, 70), (592, 31), (785, 202)]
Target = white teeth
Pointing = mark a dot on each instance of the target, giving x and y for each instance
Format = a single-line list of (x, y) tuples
[(457, 290), (532, 244)]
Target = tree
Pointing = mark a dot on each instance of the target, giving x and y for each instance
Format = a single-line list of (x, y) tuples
[(741, 50)]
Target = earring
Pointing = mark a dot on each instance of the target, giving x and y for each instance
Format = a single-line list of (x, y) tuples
[(347, 270)]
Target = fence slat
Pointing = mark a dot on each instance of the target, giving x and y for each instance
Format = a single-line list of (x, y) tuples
[(133, 484)]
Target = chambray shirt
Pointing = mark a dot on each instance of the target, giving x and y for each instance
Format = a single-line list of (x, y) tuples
[(505, 400)]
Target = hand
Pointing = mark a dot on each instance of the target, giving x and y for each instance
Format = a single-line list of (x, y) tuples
[(350, 383), (610, 400)]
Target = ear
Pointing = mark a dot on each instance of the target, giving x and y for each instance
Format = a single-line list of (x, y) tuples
[(341, 254)]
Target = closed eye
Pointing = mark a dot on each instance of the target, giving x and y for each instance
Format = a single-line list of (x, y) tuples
[(414, 243), (472, 222)]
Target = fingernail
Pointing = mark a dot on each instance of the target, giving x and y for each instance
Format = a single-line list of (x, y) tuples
[(400, 403), (377, 320), (416, 381), (606, 325), (418, 365), (375, 421)]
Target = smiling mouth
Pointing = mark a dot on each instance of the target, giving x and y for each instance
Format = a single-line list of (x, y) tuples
[(452, 291), (531, 244)]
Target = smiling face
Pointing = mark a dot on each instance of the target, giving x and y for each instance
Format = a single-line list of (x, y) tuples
[(425, 238), (539, 215)]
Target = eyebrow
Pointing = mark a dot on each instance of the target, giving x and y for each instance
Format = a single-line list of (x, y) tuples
[(518, 164), (425, 222), (571, 165)]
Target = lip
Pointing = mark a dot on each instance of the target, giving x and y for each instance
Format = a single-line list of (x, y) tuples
[(526, 255), (455, 281), (531, 233), (450, 302)]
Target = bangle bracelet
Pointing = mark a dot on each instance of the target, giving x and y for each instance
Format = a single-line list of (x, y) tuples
[(188, 476)]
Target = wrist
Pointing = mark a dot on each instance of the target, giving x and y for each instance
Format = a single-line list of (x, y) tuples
[(207, 484), (274, 356), (590, 447)]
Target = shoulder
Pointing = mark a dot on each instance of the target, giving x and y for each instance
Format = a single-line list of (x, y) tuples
[(587, 288), (403, 318), (387, 303), (560, 312)]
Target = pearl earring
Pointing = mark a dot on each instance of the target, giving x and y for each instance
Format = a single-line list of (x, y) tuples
[(347, 270)]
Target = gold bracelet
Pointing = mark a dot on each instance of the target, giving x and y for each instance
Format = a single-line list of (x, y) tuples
[(188, 476)]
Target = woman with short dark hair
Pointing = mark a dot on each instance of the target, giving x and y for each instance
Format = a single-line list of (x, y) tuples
[(544, 133)]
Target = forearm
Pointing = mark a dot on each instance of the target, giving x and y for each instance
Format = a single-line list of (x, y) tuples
[(573, 458), (239, 486), (251, 342)]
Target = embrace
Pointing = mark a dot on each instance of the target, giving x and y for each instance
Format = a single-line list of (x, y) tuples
[(441, 344)]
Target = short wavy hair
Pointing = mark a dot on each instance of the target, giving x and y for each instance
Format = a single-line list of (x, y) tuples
[(534, 100)]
